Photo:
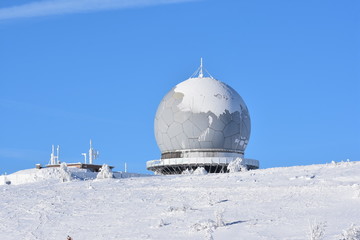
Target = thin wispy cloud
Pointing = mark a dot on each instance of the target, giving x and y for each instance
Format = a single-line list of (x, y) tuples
[(58, 7)]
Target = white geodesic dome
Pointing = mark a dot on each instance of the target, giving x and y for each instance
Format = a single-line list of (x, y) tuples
[(202, 113)]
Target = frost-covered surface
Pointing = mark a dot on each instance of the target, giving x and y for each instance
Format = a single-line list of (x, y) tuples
[(277, 203), (353, 233), (202, 95), (105, 172), (200, 171), (202, 113), (187, 171), (237, 165), (65, 174)]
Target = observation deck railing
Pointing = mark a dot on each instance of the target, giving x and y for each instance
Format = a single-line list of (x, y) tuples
[(198, 161)]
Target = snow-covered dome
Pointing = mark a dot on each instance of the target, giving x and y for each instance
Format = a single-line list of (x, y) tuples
[(202, 114)]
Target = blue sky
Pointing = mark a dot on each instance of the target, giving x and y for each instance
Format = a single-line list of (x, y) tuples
[(72, 70)]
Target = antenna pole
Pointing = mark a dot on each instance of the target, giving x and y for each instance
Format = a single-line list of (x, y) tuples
[(84, 154), (201, 74), (52, 155), (91, 153), (58, 154)]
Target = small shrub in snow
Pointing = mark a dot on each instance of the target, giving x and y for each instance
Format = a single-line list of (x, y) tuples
[(237, 165), (353, 233), (357, 190), (205, 225), (317, 230), (187, 171), (65, 175), (162, 223), (220, 218), (183, 208), (105, 172), (200, 171), (208, 235), (210, 225)]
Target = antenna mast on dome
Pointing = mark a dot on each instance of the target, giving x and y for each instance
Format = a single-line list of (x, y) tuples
[(199, 73)]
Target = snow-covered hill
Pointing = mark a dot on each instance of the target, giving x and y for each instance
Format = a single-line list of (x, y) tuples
[(277, 203)]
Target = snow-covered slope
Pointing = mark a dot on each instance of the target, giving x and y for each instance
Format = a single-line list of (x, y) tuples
[(277, 203), (55, 174)]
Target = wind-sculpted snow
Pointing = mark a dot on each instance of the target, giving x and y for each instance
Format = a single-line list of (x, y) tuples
[(277, 203)]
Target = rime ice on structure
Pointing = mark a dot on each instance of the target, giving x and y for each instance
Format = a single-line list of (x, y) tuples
[(201, 122)]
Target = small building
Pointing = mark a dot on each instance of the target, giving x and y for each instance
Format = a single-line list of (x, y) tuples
[(93, 154), (91, 167)]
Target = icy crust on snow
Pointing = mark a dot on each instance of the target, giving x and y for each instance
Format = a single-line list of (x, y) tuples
[(271, 204), (202, 95), (57, 174)]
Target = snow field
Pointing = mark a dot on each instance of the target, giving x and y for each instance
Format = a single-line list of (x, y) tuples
[(277, 203)]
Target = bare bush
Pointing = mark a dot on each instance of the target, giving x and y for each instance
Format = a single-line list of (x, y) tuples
[(352, 233), (317, 230)]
